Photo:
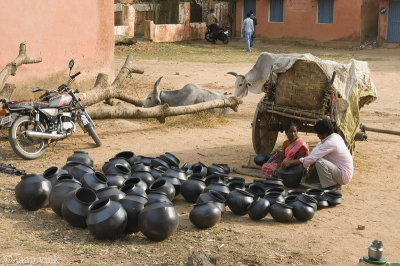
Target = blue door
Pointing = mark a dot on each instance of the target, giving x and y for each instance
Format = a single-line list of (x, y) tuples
[(393, 32), (249, 5)]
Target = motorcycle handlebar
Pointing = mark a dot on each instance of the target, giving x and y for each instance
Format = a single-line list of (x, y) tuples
[(75, 75)]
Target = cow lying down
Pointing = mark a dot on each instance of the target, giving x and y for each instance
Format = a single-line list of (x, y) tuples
[(188, 95)]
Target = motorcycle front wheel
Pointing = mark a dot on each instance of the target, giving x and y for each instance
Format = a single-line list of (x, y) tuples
[(94, 135), (207, 36), (225, 39), (26, 147)]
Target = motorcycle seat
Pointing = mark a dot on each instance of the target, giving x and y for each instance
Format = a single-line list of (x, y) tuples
[(23, 105)]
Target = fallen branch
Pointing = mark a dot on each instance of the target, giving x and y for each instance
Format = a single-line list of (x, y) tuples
[(7, 91), (160, 111), (124, 40), (11, 68)]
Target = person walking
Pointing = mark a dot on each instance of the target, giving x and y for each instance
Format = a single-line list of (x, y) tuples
[(253, 17), (212, 25), (247, 30)]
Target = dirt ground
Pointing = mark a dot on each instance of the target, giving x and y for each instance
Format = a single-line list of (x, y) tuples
[(332, 237)]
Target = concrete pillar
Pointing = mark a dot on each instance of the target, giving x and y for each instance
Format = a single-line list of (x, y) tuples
[(149, 30)]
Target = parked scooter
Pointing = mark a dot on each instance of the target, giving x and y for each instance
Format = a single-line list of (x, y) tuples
[(33, 124), (222, 34)]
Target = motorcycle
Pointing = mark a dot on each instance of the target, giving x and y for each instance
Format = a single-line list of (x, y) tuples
[(223, 35), (32, 125)]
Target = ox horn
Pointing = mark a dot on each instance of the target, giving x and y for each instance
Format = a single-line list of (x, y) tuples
[(232, 73), (157, 84)]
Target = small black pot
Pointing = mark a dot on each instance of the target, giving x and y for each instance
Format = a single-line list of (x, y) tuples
[(52, 173), (177, 173), (33, 192), (81, 157), (334, 197), (111, 192), (78, 170), (274, 197), (239, 201), (221, 188), (94, 181), (129, 156), (137, 182), (291, 176), (236, 184), (186, 166), (302, 211), (133, 205), (75, 207), (224, 167), (119, 169), (295, 192), (144, 160), (158, 196), (192, 188), (107, 219), (158, 220), (173, 181), (131, 189), (281, 212), (162, 185), (258, 209), (115, 161), (145, 177), (257, 189), (235, 179), (214, 168), (315, 191), (261, 159), (214, 178), (157, 162), (140, 167), (157, 172), (308, 200), (290, 199), (199, 168), (60, 191), (273, 182), (215, 197), (168, 160), (205, 215), (322, 201), (277, 189)]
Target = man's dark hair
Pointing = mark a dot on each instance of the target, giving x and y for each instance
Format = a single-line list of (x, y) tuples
[(323, 126), (248, 14), (212, 10), (289, 125), (251, 12)]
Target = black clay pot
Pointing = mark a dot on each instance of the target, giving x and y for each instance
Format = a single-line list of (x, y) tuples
[(308, 200), (236, 184), (129, 156), (257, 189), (322, 201), (144, 160), (177, 173), (111, 192), (290, 199), (78, 170), (119, 169), (295, 192), (215, 197), (274, 197), (168, 160), (239, 201), (33, 192), (173, 181), (214, 178), (115, 161), (273, 182), (192, 188), (144, 176), (131, 189), (199, 168), (291, 176), (157, 162), (157, 196), (235, 179), (225, 168), (162, 185), (63, 177), (52, 173), (302, 211), (137, 182), (94, 181), (60, 191), (157, 172), (173, 158), (158, 220), (220, 188), (75, 207), (281, 212), (314, 191), (140, 167), (276, 189), (205, 215), (258, 209), (81, 157), (133, 205), (214, 168), (334, 197), (186, 166), (115, 180), (261, 159), (107, 219)]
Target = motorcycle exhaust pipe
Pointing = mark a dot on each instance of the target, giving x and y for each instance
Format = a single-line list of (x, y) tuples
[(41, 135)]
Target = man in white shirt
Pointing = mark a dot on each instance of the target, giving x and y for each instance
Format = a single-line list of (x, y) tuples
[(331, 157), (248, 29)]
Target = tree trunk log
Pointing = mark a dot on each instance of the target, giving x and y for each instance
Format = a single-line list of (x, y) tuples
[(7, 91), (124, 40), (11, 68), (160, 111)]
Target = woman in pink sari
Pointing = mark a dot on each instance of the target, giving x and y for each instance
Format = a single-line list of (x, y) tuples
[(292, 148)]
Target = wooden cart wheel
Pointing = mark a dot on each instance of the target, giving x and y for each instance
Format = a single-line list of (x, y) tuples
[(264, 138)]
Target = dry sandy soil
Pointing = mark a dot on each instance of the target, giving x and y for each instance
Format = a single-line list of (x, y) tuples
[(332, 237)]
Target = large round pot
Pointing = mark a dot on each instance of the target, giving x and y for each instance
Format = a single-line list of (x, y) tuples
[(239, 201), (291, 176), (302, 211), (214, 178), (140, 167), (129, 156), (257, 189), (290, 199), (63, 177), (221, 188), (236, 184), (157, 172), (78, 170), (281, 212), (225, 168), (173, 181), (162, 185), (274, 197), (308, 200), (81, 157), (273, 182), (107, 219), (192, 188), (94, 181), (177, 173), (333, 197), (117, 174), (276, 189), (171, 159), (144, 176), (322, 201), (261, 159), (157, 196), (205, 215), (168, 160), (52, 173), (144, 160), (115, 161), (131, 189), (214, 168), (60, 191), (258, 209), (133, 205), (33, 192), (157, 162), (75, 207), (215, 197), (158, 220), (199, 168), (137, 182), (111, 192)]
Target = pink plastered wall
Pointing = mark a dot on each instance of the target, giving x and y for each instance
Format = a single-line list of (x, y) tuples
[(58, 31)]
